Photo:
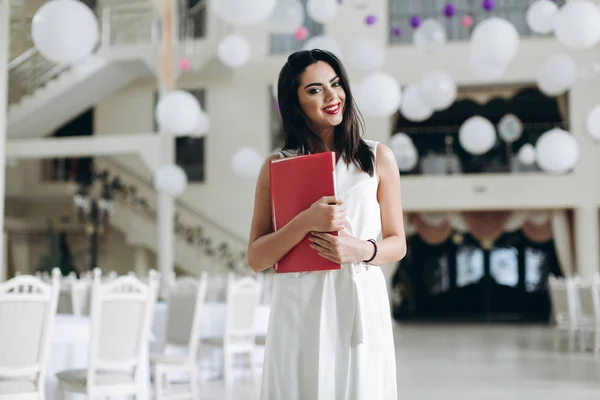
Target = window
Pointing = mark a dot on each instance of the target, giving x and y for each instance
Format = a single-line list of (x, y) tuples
[(287, 43), (78, 169), (190, 151), (436, 139), (534, 268), (400, 12), (469, 265), (504, 266)]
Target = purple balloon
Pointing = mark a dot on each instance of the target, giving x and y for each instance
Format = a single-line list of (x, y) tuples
[(449, 10), (370, 19), (488, 5), (397, 31), (415, 21)]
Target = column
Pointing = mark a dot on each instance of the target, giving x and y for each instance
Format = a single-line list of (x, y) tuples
[(587, 238), (141, 261), (166, 223), (4, 39)]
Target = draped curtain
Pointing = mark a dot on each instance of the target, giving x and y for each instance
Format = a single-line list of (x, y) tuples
[(488, 226)]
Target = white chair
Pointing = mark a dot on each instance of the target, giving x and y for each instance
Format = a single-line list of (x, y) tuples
[(121, 314), (243, 299), (27, 311), (588, 318), (185, 303), (564, 308)]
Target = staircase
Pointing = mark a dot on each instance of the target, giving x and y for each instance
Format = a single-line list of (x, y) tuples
[(44, 96), (201, 244)]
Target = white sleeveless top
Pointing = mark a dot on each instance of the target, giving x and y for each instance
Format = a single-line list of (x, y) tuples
[(330, 332)]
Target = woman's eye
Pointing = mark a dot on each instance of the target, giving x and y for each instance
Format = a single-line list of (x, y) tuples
[(336, 84), (314, 91)]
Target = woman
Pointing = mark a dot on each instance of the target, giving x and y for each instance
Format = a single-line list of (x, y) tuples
[(330, 333)]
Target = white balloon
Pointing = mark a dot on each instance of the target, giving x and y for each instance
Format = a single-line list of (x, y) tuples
[(400, 139), (170, 179), (322, 42), (593, 122), (378, 95), (234, 50), (577, 25), (484, 70), (202, 126), (243, 12), (438, 89), (413, 107), (477, 135), (404, 151), (246, 162), (541, 15), (557, 75), (495, 41), (178, 113), (322, 11), (510, 128), (287, 17), (526, 154), (64, 31), (365, 54), (430, 36), (557, 151)]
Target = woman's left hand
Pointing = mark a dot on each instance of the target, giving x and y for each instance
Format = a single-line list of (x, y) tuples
[(340, 249)]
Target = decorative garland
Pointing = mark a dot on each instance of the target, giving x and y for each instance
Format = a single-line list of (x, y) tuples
[(235, 259)]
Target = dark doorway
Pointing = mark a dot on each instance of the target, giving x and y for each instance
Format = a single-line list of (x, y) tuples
[(463, 281)]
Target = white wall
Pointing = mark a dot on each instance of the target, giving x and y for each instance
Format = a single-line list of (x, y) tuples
[(238, 104)]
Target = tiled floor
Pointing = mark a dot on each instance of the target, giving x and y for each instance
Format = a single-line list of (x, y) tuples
[(485, 362)]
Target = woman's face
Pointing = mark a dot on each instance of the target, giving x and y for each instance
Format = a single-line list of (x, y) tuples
[(321, 95)]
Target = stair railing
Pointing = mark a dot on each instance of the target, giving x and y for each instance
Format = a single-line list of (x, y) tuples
[(120, 24)]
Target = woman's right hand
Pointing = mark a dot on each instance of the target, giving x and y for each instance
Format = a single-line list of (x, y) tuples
[(328, 214)]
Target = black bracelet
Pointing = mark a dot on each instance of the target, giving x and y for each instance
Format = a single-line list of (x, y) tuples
[(374, 253)]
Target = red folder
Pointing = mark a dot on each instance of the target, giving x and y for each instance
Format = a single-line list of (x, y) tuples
[(296, 183)]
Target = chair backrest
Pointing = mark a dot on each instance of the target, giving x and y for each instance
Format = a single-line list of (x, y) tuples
[(185, 304), (586, 300), (243, 298), (217, 290), (27, 311), (121, 314), (563, 298)]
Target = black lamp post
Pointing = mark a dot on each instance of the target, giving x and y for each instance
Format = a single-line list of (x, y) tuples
[(94, 212)]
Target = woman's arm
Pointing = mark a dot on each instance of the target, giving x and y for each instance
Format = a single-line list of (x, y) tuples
[(348, 249), (266, 247), (392, 247)]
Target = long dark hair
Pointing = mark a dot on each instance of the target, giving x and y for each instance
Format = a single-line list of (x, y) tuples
[(296, 129)]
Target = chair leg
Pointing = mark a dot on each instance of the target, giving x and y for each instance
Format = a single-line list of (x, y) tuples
[(253, 367), (228, 367), (59, 392), (194, 383), (571, 335), (159, 383), (557, 337)]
